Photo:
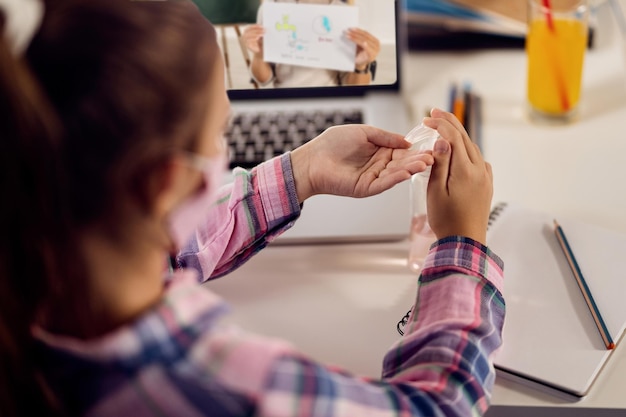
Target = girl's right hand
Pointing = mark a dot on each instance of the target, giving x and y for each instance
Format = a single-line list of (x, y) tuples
[(253, 38), (461, 182)]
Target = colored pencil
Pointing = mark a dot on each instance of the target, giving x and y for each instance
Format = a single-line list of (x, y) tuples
[(582, 284)]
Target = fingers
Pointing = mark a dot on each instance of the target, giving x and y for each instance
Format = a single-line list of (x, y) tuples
[(384, 138), (449, 127), (366, 41), (253, 36), (397, 171), (360, 36), (441, 168), (409, 161), (253, 32)]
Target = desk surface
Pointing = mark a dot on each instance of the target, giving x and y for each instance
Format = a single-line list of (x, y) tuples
[(573, 169), (328, 298)]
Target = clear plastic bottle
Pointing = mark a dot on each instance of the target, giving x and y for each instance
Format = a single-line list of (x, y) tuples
[(421, 235)]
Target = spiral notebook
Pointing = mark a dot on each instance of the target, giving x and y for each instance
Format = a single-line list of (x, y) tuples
[(550, 338)]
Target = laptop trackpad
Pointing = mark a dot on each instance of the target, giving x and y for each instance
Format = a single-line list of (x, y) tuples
[(326, 218)]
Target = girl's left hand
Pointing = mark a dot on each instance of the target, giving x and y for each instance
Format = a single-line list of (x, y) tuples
[(355, 161)]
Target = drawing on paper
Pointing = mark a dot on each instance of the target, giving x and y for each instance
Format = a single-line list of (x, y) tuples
[(309, 35), (321, 26)]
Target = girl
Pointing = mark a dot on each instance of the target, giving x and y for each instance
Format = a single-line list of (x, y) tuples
[(285, 75), (113, 112)]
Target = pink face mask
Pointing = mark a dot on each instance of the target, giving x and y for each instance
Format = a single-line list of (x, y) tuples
[(184, 219)]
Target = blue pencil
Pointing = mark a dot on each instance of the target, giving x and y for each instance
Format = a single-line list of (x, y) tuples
[(582, 284)]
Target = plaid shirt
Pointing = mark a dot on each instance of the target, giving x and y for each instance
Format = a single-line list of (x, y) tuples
[(179, 360)]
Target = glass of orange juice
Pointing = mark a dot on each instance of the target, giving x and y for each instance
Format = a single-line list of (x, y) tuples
[(555, 48)]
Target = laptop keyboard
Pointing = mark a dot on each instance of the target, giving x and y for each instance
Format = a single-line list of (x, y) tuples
[(256, 137)]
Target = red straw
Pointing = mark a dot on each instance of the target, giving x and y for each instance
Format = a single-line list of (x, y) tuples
[(562, 88), (548, 7)]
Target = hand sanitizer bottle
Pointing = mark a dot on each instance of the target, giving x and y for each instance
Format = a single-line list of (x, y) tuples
[(421, 235)]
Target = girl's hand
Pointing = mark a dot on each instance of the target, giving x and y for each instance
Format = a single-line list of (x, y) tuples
[(368, 46), (461, 182), (355, 161), (253, 38)]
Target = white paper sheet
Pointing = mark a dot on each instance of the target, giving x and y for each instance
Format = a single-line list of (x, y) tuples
[(309, 35)]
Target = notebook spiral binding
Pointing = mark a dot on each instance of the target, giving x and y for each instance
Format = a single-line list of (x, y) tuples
[(493, 215), (495, 212), (403, 322)]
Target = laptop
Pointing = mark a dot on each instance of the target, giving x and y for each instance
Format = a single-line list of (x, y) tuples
[(325, 218)]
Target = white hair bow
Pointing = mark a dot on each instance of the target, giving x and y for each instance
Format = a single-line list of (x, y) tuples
[(22, 20)]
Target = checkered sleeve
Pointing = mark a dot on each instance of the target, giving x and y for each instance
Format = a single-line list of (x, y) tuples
[(249, 213), (442, 366)]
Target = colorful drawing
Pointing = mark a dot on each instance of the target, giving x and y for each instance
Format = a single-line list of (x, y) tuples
[(309, 35)]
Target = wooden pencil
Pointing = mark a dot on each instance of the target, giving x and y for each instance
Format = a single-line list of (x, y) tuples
[(582, 284)]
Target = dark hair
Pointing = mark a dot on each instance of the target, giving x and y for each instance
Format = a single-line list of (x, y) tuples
[(105, 93)]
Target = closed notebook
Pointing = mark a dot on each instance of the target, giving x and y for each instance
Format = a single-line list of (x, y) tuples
[(550, 338)]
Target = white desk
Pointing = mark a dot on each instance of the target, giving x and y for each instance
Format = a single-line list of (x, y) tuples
[(340, 303), (575, 170)]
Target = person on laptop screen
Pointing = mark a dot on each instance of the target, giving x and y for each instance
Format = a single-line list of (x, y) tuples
[(287, 75), (112, 151)]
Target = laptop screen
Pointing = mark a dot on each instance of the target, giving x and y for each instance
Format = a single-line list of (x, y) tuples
[(306, 48)]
